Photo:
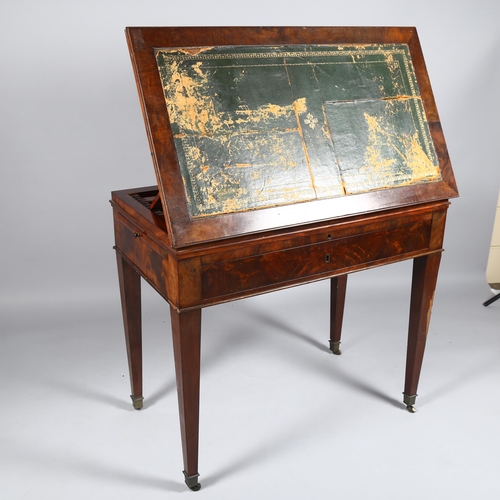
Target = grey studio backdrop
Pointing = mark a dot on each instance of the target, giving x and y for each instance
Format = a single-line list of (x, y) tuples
[(279, 416)]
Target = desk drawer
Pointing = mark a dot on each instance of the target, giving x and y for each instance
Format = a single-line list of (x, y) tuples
[(138, 248), (238, 276)]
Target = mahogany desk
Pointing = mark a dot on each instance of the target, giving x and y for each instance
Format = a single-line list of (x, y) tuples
[(353, 114)]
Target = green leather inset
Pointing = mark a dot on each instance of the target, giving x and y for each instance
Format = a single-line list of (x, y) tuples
[(263, 126)]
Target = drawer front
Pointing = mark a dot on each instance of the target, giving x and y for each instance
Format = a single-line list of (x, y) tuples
[(137, 248), (235, 277)]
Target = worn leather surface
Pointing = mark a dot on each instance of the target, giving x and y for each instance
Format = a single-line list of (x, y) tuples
[(266, 126)]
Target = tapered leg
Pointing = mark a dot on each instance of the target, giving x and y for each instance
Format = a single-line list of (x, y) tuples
[(425, 271), (337, 300), (186, 333), (130, 292)]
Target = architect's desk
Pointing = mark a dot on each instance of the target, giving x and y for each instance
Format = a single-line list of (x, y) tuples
[(283, 156)]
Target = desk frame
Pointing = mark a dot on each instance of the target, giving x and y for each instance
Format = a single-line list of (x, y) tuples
[(197, 261)]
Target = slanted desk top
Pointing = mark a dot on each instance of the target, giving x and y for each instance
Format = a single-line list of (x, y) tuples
[(283, 156), (254, 129)]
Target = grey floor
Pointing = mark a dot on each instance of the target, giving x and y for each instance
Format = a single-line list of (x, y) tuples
[(280, 416)]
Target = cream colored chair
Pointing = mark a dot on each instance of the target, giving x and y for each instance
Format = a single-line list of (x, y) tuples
[(493, 267)]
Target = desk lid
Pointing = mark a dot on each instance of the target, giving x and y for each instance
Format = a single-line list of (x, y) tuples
[(254, 129)]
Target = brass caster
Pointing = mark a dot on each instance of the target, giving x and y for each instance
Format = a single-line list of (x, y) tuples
[(409, 401), (335, 348), (192, 481), (137, 402)]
